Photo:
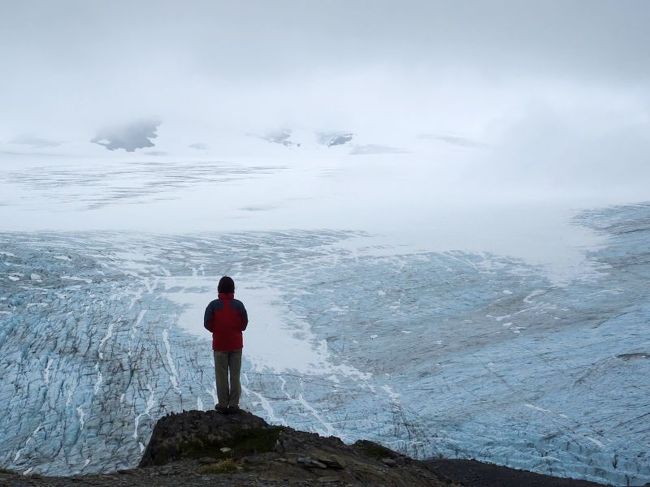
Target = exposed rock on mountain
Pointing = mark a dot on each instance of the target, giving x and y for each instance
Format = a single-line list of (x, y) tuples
[(132, 136), (331, 139), (245, 443), (208, 448), (282, 137)]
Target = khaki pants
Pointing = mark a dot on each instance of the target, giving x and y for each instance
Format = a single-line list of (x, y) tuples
[(224, 362)]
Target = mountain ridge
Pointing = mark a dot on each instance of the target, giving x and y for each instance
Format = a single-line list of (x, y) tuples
[(198, 448)]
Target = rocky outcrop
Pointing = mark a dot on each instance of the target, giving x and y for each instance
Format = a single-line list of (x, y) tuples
[(206, 433), (197, 448), (245, 445), (331, 139), (131, 136)]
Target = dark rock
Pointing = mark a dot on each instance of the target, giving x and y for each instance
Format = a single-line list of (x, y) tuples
[(207, 460), (331, 139), (180, 441), (375, 450), (310, 463), (471, 473), (332, 461), (260, 458), (132, 136), (282, 137), (328, 479), (196, 434)]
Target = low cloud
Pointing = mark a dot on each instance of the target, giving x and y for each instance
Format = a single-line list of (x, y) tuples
[(34, 142), (454, 140), (376, 149), (198, 146)]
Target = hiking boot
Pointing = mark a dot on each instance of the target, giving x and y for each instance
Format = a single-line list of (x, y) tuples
[(221, 409), (233, 409)]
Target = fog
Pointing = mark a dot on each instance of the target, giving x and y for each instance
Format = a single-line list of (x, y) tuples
[(455, 114)]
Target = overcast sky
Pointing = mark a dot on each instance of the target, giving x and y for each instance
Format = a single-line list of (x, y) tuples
[(559, 86), (304, 60), (603, 39)]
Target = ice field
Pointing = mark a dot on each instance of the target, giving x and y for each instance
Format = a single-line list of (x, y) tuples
[(460, 354)]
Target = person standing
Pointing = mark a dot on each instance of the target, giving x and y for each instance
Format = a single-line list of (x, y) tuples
[(226, 319)]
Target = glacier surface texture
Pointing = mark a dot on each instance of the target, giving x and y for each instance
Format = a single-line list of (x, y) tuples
[(455, 354)]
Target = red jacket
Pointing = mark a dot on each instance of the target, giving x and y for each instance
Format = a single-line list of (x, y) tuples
[(226, 318)]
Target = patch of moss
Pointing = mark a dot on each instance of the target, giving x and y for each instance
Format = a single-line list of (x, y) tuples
[(243, 442), (374, 450), (256, 440), (197, 448), (224, 466)]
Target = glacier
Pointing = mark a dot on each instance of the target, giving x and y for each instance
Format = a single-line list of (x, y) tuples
[(456, 353)]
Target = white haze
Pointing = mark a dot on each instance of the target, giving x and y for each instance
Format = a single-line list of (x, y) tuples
[(501, 119)]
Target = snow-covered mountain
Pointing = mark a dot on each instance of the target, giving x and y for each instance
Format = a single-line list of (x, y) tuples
[(432, 353)]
